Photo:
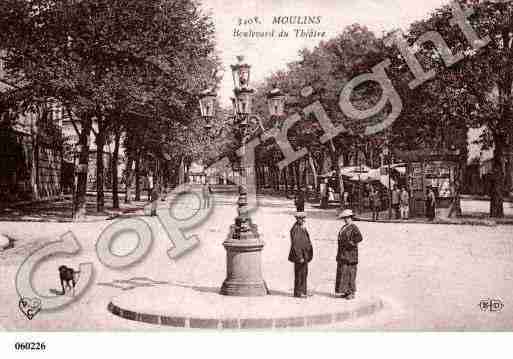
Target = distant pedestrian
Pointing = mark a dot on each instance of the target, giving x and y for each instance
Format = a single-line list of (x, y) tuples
[(345, 200), (301, 253), (356, 199), (154, 200), (299, 200), (455, 207), (366, 200), (405, 204), (396, 201), (347, 256), (163, 192), (430, 204), (331, 194), (205, 191), (375, 203)]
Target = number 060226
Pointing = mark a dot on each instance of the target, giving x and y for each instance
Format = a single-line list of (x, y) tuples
[(30, 346)]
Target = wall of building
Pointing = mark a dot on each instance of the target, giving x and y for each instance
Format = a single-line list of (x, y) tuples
[(15, 166), (49, 171), (28, 170)]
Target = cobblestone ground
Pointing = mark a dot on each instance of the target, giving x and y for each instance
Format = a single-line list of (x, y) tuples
[(432, 277)]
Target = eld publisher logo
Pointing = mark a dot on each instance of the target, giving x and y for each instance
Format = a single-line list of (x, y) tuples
[(491, 305)]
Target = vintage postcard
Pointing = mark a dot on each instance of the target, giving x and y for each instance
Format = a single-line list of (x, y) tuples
[(169, 165)]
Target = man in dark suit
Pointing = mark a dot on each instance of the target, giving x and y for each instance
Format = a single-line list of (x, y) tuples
[(347, 256), (299, 201), (301, 253)]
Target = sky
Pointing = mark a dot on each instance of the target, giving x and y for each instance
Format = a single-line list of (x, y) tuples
[(271, 54)]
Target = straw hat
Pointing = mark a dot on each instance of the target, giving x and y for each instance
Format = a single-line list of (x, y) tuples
[(346, 213)]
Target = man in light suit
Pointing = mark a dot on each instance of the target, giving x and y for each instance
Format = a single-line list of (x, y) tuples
[(347, 256)]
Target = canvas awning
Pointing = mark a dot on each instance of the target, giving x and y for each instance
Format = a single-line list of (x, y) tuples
[(361, 174)]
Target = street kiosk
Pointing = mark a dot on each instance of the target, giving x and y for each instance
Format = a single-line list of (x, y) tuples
[(429, 169)]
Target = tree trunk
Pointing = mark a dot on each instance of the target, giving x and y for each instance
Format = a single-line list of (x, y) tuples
[(297, 173), (258, 177), (314, 170), (114, 171), (128, 178), (159, 178), (319, 161), (277, 179), (34, 173), (270, 173), (272, 177), (34, 185), (497, 187), (80, 200), (100, 170), (304, 178), (285, 180), (180, 172), (137, 178), (459, 178), (508, 181), (275, 176), (336, 165)]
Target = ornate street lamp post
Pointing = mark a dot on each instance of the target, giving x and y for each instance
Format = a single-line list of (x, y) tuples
[(276, 102), (243, 245), (207, 102)]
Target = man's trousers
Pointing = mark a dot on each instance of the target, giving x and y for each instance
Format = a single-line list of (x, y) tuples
[(300, 276)]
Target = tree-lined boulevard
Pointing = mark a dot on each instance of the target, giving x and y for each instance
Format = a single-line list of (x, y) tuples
[(129, 75), (110, 111)]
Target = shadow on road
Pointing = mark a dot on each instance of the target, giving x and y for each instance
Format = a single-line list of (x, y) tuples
[(53, 211), (272, 292)]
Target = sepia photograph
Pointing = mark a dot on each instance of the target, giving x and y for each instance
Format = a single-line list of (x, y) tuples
[(261, 166)]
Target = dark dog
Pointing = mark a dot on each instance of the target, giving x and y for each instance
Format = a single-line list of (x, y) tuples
[(67, 276)]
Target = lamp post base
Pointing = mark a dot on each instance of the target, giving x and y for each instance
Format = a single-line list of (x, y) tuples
[(243, 267)]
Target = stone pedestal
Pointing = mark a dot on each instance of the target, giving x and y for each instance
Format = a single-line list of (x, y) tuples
[(195, 307), (243, 255), (243, 267)]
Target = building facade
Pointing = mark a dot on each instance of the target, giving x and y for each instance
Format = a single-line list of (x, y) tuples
[(30, 155)]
